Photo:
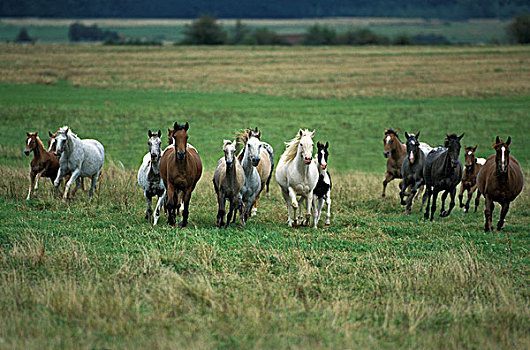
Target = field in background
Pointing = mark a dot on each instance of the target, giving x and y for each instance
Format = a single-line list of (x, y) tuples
[(478, 31), (98, 276)]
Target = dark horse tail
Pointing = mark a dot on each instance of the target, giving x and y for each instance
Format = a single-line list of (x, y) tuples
[(270, 151)]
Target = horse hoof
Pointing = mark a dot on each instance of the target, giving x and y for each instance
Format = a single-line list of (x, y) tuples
[(326, 225), (182, 224), (403, 202)]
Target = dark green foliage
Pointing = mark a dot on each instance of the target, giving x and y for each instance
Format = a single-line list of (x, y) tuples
[(133, 42), (204, 31), (361, 37), (320, 35), (23, 37), (80, 32), (264, 36), (519, 29), (239, 33)]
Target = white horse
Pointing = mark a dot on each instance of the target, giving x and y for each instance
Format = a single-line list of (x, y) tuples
[(252, 185), (297, 175), (78, 157), (149, 176)]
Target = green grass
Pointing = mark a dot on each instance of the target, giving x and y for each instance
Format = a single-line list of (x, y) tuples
[(98, 276)]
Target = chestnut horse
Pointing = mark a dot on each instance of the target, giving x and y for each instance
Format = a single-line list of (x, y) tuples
[(180, 168), (500, 180), (42, 164), (396, 152), (469, 178)]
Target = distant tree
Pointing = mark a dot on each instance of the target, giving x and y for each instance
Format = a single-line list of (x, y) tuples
[(23, 37), (239, 33), (519, 29), (79, 32), (402, 39), (265, 36), (361, 37), (204, 31), (317, 35)]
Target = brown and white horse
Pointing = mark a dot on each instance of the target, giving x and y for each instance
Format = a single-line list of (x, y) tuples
[(180, 168), (500, 180), (42, 164), (469, 178)]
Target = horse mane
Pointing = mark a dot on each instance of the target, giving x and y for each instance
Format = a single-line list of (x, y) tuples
[(70, 133), (292, 146)]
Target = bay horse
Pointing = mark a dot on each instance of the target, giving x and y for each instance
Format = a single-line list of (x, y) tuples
[(149, 178), (42, 164), (322, 191), (469, 178), (500, 180), (228, 181), (180, 168), (266, 161), (79, 158), (442, 172), (412, 170), (395, 151), (297, 175)]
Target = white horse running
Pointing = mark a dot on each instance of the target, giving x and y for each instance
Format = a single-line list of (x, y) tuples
[(149, 178), (78, 157), (252, 185), (297, 175)]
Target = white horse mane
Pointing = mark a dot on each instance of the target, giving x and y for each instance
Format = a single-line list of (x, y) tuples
[(69, 133), (292, 146)]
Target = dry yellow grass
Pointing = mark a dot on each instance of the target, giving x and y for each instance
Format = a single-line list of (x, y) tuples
[(315, 72)]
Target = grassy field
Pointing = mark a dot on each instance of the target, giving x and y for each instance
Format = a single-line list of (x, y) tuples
[(479, 31), (98, 276)]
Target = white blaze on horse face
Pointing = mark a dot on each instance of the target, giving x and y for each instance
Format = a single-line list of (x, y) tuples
[(29, 141), (411, 157), (388, 138), (503, 150), (306, 143), (469, 153)]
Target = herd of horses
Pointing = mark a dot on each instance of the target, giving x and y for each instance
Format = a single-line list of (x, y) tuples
[(242, 175)]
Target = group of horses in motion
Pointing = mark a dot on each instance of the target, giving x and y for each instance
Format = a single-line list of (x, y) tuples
[(498, 178), (246, 169)]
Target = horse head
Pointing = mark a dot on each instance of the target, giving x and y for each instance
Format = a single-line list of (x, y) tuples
[(180, 139), (254, 133), (229, 148), (390, 141), (154, 145), (61, 140), (322, 154), (452, 143), (305, 147), (52, 143), (31, 142), (502, 156), (413, 146), (253, 147), (470, 156)]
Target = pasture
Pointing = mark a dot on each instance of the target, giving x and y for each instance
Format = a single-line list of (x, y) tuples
[(98, 276)]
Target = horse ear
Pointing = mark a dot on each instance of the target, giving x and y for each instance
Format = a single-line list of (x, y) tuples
[(187, 126), (407, 135), (475, 148), (327, 145), (509, 140), (149, 133), (300, 132), (175, 126), (418, 134), (313, 133), (36, 133), (27, 134), (497, 140), (50, 133), (320, 144), (460, 137), (396, 131), (159, 133), (226, 142), (259, 134)]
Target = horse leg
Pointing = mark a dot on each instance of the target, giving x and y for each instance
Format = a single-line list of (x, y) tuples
[(488, 212), (434, 199), (300, 206), (477, 199), (287, 199), (461, 195), (413, 191), (470, 192), (328, 205), (92, 186), (148, 209), (170, 205), (426, 195), (504, 211), (186, 211), (158, 206), (221, 211), (443, 212), (294, 202), (31, 183), (78, 184), (402, 192), (452, 203), (73, 177), (388, 178), (309, 209), (316, 204), (233, 205), (255, 205), (60, 175), (38, 178)]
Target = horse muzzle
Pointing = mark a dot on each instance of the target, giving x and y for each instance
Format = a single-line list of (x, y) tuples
[(454, 163), (181, 155), (154, 158), (323, 166), (386, 154), (229, 162), (307, 160), (27, 151), (255, 161)]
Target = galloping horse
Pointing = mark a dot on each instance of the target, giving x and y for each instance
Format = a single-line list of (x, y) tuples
[(149, 174), (500, 180), (52, 147), (442, 171), (396, 152), (322, 191), (228, 180), (412, 170), (469, 178), (42, 164), (252, 184), (78, 157), (297, 175), (180, 168), (266, 160)]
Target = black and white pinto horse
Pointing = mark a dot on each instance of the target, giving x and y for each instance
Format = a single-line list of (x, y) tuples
[(442, 172), (412, 170), (322, 191), (149, 178)]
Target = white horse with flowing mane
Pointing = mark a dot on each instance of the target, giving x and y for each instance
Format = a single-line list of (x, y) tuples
[(149, 178), (78, 157), (297, 175)]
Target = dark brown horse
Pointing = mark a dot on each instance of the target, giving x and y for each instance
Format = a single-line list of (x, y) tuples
[(500, 180), (42, 164), (396, 152), (469, 178), (180, 168)]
